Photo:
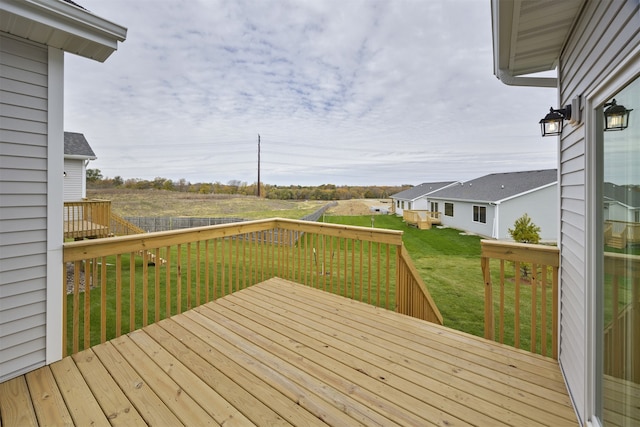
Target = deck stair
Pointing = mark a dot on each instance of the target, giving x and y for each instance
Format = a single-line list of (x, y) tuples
[(422, 220)]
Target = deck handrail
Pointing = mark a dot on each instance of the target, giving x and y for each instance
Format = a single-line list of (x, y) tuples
[(540, 263), (204, 263), (122, 227)]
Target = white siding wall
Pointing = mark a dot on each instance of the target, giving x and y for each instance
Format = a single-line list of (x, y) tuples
[(462, 218), (606, 32), (23, 205), (421, 204), (541, 206), (73, 178)]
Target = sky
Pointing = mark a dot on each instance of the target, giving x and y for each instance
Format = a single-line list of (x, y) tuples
[(344, 92)]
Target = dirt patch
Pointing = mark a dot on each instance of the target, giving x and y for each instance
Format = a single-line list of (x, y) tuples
[(358, 206)]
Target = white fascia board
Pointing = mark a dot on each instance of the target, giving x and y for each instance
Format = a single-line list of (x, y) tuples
[(64, 26), (527, 192), (79, 157)]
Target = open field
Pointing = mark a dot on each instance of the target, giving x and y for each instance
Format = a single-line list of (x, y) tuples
[(155, 203), (158, 203)]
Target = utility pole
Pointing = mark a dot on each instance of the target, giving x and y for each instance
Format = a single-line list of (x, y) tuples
[(258, 165)]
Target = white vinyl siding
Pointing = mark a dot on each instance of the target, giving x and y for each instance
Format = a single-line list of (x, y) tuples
[(23, 205), (605, 33), (73, 178)]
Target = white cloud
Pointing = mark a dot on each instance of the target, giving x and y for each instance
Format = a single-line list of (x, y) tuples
[(343, 92)]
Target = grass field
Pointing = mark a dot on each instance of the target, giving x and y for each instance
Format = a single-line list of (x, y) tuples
[(161, 203)]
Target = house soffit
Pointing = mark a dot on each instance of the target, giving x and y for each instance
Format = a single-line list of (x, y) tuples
[(61, 25), (529, 35)]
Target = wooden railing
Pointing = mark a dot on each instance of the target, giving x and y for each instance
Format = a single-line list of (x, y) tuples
[(619, 234), (412, 297), (621, 339), (122, 227), (526, 294), (86, 219), (120, 284), (420, 218)]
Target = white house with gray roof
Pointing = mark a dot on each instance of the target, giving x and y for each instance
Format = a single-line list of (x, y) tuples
[(416, 198), (77, 155), (490, 205)]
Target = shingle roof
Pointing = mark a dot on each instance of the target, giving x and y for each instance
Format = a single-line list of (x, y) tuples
[(421, 190), (75, 144), (498, 186)]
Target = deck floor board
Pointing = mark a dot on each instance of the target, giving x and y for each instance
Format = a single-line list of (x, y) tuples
[(278, 354)]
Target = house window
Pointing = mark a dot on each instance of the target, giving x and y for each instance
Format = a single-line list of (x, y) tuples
[(448, 209), (480, 214), (434, 206), (617, 287)]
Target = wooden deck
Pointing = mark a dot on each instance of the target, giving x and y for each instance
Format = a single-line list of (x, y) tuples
[(279, 353)]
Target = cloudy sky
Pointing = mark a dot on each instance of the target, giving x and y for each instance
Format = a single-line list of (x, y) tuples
[(346, 92)]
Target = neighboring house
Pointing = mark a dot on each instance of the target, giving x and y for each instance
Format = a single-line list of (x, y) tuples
[(34, 35), (621, 202), (77, 154), (416, 198), (490, 205), (594, 46)]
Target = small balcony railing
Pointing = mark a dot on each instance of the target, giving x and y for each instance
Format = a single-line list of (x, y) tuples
[(87, 219), (123, 283)]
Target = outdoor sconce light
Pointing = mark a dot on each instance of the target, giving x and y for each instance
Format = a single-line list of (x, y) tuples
[(553, 122), (616, 117)]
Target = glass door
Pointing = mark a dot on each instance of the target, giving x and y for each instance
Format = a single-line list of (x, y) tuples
[(619, 295)]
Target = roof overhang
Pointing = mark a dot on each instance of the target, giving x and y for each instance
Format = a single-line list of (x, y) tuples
[(528, 38), (61, 25)]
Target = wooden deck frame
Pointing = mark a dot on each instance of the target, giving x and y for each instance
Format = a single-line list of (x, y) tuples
[(279, 353)]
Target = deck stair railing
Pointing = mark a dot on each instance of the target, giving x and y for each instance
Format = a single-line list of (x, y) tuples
[(123, 283), (421, 218), (521, 309), (122, 227)]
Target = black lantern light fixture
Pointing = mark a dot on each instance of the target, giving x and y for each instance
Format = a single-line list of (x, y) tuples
[(616, 117), (554, 121)]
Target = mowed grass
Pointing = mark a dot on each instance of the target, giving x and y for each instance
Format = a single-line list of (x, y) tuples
[(449, 264)]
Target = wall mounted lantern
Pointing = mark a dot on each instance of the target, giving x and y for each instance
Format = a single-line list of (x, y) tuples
[(553, 122), (616, 117)]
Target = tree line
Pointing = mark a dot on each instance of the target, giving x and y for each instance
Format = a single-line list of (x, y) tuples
[(95, 180)]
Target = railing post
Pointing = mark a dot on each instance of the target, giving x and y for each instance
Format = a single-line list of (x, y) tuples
[(489, 330)]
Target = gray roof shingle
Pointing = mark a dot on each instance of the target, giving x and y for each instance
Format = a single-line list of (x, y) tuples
[(498, 186), (421, 190), (75, 144)]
